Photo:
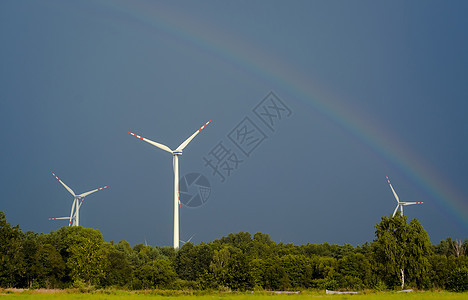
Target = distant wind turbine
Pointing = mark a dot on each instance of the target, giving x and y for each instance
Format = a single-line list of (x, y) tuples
[(175, 164), (185, 242), (74, 219), (399, 203)]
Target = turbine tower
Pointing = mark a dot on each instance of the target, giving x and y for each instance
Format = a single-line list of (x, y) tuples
[(399, 203), (74, 219), (175, 164)]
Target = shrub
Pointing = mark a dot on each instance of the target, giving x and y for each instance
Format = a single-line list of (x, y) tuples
[(458, 280)]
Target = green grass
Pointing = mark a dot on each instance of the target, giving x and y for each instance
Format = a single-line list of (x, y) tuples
[(308, 295)]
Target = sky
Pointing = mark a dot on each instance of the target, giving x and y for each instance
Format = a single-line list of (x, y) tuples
[(313, 104)]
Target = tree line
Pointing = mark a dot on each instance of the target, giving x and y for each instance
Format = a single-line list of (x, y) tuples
[(400, 256)]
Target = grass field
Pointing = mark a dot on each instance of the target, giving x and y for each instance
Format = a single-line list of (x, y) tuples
[(39, 294)]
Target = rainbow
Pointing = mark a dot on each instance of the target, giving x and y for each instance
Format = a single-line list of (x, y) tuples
[(183, 28)]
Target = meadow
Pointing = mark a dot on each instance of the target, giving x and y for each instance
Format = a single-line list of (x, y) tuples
[(305, 295)]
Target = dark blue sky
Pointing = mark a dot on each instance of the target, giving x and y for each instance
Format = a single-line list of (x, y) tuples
[(368, 89)]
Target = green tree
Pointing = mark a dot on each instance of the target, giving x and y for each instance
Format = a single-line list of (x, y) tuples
[(441, 267), (274, 275), (184, 262), (88, 253), (401, 250), (30, 244), (49, 266), (238, 271), (261, 246), (355, 271), (419, 249), (448, 247), (166, 252), (458, 280), (241, 240), (192, 262), (11, 255), (203, 254), (156, 274), (119, 270), (444, 247), (257, 270), (298, 271), (325, 267), (219, 266)]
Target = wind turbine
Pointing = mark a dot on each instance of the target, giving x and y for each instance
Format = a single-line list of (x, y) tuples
[(175, 164), (400, 203), (188, 241), (74, 219)]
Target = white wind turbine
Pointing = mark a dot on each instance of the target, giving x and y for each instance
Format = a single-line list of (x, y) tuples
[(74, 219), (175, 164), (188, 241), (399, 203)]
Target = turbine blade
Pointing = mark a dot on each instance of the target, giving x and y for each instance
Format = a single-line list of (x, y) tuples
[(160, 146), (396, 196), (71, 214), (191, 238), (185, 242), (60, 218), (93, 191), (68, 189), (187, 141), (81, 202), (394, 212), (76, 210), (410, 203)]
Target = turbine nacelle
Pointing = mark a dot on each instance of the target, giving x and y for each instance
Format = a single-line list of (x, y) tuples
[(177, 152)]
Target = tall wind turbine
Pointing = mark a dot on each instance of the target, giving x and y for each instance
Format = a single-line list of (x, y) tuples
[(399, 203), (74, 219), (175, 164)]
